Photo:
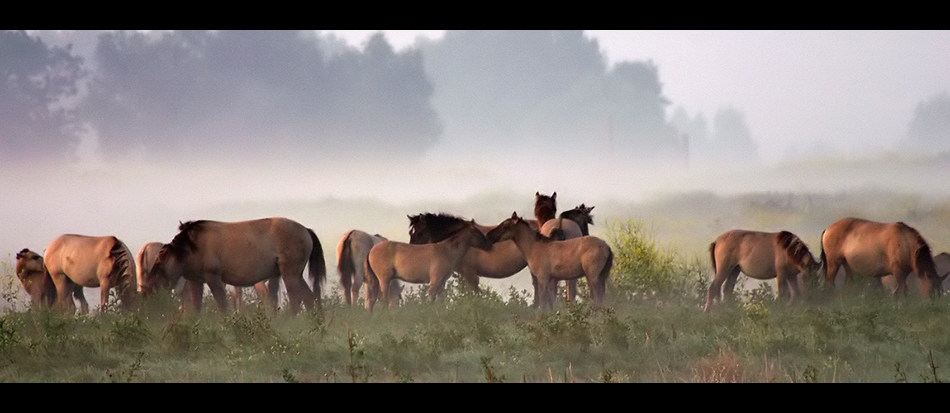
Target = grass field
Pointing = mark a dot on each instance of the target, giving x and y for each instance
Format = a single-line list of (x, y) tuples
[(651, 329)]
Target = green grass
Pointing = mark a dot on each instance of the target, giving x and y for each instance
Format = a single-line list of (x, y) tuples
[(467, 338)]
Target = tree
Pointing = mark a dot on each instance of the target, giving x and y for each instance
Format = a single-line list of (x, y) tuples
[(929, 130), (732, 140), (34, 81)]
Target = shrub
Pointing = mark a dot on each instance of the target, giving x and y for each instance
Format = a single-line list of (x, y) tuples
[(642, 269)]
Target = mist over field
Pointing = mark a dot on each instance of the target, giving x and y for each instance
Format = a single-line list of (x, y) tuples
[(129, 133)]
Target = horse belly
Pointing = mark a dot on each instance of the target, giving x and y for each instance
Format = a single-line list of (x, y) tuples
[(497, 263), (868, 262)]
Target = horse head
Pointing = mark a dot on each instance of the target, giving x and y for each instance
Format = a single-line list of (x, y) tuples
[(545, 207), (506, 229)]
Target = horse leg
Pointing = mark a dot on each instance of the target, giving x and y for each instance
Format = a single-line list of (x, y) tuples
[(237, 297), (197, 289), (572, 290), (79, 295), (534, 285), (713, 293), (218, 291), (471, 278), (436, 285), (273, 290)]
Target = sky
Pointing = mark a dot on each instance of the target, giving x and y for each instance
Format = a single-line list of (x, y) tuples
[(854, 91)]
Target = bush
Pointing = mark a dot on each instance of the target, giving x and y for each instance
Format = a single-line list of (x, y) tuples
[(644, 270)]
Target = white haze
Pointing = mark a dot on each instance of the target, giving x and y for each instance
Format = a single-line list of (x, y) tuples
[(851, 92)]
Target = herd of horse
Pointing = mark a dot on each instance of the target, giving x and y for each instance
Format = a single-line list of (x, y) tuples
[(262, 253)]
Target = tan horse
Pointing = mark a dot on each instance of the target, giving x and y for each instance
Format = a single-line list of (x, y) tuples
[(351, 253), (36, 282), (420, 263), (243, 254), (103, 262), (760, 255), (145, 262), (878, 249), (502, 261), (569, 224), (551, 260)]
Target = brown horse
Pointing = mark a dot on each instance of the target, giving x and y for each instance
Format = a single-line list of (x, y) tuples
[(941, 264), (760, 255), (502, 261), (545, 207), (878, 249), (37, 283), (569, 224), (83, 261), (145, 262), (243, 254), (351, 253), (420, 263), (551, 260)]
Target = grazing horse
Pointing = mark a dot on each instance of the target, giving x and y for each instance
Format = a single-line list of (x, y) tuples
[(941, 264), (878, 249), (760, 255), (76, 261), (351, 253), (243, 254), (420, 263), (145, 262), (551, 260), (37, 283)]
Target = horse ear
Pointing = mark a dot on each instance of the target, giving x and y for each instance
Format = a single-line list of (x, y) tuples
[(554, 196), (537, 194), (514, 215)]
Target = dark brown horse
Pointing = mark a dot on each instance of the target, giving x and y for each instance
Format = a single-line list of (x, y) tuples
[(551, 260), (876, 249), (545, 207), (243, 254), (760, 255)]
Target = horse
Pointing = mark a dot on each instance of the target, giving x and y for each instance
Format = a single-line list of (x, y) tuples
[(551, 260), (76, 261), (544, 207), (569, 224), (760, 255), (877, 249), (36, 282), (420, 263), (243, 254), (502, 261), (145, 262), (351, 253), (941, 264)]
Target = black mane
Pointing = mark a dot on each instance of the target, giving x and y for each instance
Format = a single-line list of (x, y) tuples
[(435, 227), (184, 242)]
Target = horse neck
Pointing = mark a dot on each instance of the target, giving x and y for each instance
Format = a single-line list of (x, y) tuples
[(524, 238)]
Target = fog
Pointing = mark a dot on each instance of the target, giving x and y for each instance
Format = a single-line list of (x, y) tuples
[(339, 131)]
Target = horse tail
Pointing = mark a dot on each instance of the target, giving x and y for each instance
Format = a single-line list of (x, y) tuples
[(372, 284), (712, 255), (821, 245), (50, 289), (318, 267), (344, 262), (605, 272), (558, 234)]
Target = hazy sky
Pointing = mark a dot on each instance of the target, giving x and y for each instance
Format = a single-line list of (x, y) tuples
[(855, 91)]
